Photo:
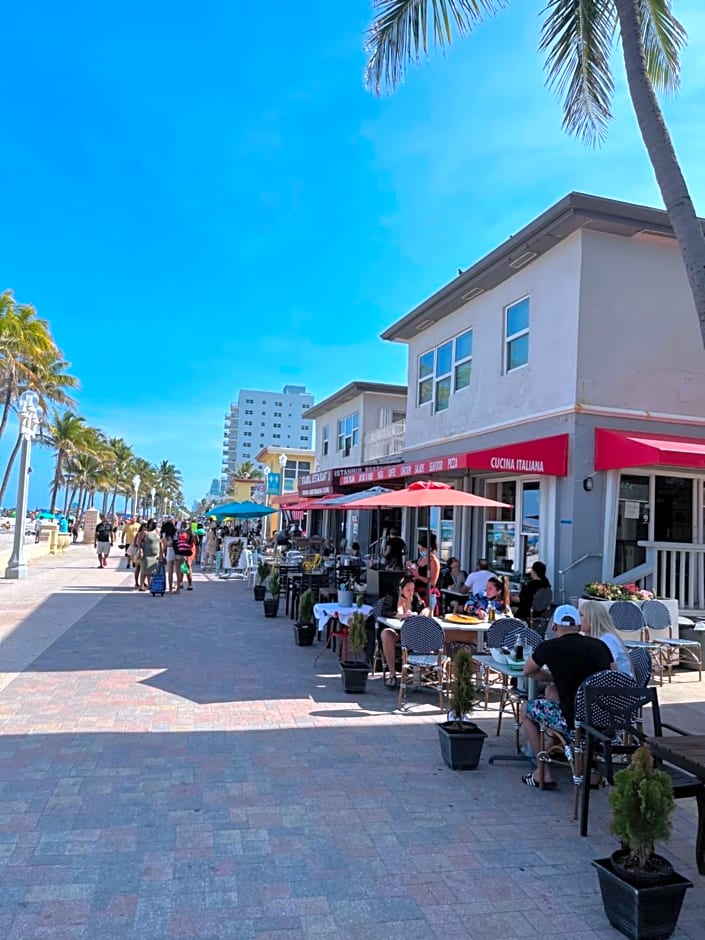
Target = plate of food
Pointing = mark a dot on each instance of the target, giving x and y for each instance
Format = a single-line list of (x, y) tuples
[(460, 618)]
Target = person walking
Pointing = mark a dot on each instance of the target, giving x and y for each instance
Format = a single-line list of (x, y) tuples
[(104, 538), (128, 537), (151, 554), (137, 553), (184, 546), (168, 534)]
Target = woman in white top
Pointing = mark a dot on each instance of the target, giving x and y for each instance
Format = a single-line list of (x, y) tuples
[(596, 621)]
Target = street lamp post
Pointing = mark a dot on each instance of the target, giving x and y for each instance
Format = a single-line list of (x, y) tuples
[(154, 493), (282, 465), (136, 479), (28, 414)]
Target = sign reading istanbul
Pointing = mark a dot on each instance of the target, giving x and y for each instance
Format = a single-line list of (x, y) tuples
[(547, 456)]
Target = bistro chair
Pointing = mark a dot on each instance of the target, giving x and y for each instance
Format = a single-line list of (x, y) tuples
[(424, 664), (377, 654), (629, 619), (641, 664), (657, 617), (539, 617), (494, 638), (610, 718), (514, 695), (568, 749)]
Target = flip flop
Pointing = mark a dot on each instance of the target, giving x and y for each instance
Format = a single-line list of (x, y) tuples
[(390, 683)]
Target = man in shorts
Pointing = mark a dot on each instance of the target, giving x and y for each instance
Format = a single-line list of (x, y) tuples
[(571, 658), (104, 538)]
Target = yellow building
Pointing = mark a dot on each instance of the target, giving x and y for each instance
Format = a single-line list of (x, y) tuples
[(284, 467), (241, 489)]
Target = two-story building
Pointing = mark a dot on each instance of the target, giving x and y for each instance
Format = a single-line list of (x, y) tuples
[(359, 426), (564, 373)]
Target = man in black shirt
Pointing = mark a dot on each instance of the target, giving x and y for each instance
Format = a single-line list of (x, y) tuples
[(103, 539), (394, 551), (571, 658)]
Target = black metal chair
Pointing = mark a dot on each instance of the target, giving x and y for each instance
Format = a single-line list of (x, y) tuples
[(423, 658), (514, 694), (610, 715), (629, 620), (641, 664)]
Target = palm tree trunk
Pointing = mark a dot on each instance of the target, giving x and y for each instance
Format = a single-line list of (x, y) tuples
[(6, 408), (112, 503), (8, 469), (662, 154), (72, 499), (57, 480)]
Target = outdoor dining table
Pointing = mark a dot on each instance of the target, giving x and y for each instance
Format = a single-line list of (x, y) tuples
[(452, 632), (324, 613), (531, 690)]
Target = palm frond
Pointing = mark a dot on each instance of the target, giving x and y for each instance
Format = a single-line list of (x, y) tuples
[(578, 37), (403, 30), (663, 38)]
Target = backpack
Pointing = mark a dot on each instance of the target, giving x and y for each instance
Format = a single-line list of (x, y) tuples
[(183, 544)]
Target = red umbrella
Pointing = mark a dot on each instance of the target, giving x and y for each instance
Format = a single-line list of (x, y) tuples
[(426, 493)]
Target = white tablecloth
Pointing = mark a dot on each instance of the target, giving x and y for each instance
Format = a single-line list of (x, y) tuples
[(323, 613)]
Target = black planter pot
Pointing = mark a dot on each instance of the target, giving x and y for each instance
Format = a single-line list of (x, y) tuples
[(304, 634), (354, 676), (260, 592), (271, 606), (640, 913), (461, 749)]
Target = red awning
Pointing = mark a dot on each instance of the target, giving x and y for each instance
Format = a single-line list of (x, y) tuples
[(617, 449)]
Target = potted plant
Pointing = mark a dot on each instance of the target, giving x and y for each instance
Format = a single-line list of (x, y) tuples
[(354, 671), (641, 893), (606, 591), (461, 739), (271, 604), (263, 572), (305, 628)]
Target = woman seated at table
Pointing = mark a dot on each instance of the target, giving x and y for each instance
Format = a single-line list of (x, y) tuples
[(408, 604), (596, 621), (452, 576), (537, 580), (495, 597)]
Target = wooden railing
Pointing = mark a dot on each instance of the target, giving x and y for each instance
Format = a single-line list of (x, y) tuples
[(671, 569)]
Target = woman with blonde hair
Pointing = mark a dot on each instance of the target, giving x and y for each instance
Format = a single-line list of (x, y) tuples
[(596, 621)]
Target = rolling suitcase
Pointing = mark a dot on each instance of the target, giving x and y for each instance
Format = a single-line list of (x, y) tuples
[(158, 584)]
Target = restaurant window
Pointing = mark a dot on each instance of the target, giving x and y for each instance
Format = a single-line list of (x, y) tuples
[(632, 522), (325, 442), (348, 433), (516, 335)]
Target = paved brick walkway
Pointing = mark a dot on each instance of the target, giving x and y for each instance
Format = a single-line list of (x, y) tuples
[(178, 768)]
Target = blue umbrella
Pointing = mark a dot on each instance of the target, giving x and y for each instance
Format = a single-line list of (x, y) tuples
[(246, 510)]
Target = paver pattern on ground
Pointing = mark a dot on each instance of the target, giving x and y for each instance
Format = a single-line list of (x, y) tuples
[(177, 768)]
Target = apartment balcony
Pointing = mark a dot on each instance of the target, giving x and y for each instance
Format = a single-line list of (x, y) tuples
[(384, 442)]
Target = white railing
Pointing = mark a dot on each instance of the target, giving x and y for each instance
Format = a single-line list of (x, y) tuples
[(386, 441), (671, 569)]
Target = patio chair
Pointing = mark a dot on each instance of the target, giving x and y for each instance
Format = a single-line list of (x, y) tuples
[(567, 750), (629, 620), (513, 695), (641, 664), (539, 617), (424, 663), (657, 617), (610, 717), (494, 638)]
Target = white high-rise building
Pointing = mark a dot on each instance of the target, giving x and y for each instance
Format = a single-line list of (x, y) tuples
[(261, 419)]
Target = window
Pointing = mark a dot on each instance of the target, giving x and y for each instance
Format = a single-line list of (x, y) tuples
[(305, 407), (249, 401), (348, 432), (444, 370), (277, 414), (325, 435), (277, 424), (516, 335), (303, 427), (276, 436), (249, 412), (278, 404), (248, 424), (248, 433), (303, 439)]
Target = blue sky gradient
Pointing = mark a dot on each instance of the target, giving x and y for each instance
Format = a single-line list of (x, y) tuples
[(202, 198)]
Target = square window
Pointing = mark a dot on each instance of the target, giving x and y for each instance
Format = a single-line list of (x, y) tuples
[(517, 352), (518, 317), (442, 394), (425, 391), (462, 375), (444, 358), (426, 365), (463, 346)]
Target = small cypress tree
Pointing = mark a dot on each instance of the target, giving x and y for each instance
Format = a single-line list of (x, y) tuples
[(642, 803), (463, 696), (306, 608), (357, 634)]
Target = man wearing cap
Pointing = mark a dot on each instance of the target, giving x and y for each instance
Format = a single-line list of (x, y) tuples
[(571, 658)]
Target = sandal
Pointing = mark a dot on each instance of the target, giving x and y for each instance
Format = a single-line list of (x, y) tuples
[(531, 781), (390, 683)]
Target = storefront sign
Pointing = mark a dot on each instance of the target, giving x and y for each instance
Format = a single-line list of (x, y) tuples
[(547, 456), (319, 483)]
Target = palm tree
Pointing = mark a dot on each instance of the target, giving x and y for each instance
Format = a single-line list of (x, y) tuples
[(69, 435), (577, 37), (25, 340), (247, 471), (147, 474), (169, 482), (48, 377), (119, 459)]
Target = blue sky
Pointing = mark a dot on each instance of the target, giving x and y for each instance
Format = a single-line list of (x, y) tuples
[(201, 198)]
